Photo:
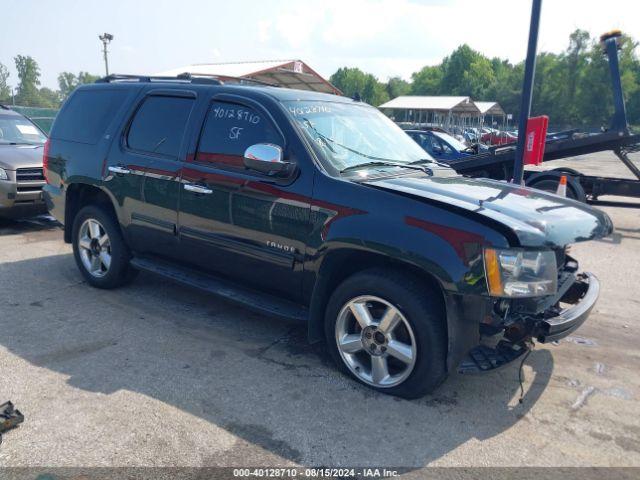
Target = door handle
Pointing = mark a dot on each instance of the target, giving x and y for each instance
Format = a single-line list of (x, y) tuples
[(119, 170), (190, 187)]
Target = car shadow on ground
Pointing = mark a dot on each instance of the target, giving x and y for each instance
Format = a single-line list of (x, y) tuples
[(11, 226), (252, 376)]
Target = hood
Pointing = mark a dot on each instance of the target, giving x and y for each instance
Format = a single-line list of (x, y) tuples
[(20, 156), (536, 218)]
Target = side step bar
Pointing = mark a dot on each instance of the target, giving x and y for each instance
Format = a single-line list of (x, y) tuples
[(228, 290)]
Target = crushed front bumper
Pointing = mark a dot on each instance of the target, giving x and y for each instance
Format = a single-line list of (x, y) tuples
[(582, 296)]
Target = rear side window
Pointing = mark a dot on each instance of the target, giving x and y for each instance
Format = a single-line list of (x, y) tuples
[(87, 115), (229, 130), (159, 124)]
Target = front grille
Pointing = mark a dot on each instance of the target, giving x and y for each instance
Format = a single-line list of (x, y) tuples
[(29, 188), (29, 175)]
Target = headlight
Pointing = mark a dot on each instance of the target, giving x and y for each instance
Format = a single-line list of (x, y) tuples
[(520, 273), (3, 174)]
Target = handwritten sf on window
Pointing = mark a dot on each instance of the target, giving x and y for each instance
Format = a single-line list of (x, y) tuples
[(234, 133)]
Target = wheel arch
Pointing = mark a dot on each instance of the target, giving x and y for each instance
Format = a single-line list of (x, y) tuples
[(340, 264), (79, 195)]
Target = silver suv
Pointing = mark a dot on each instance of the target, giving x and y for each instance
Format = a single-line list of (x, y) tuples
[(21, 173)]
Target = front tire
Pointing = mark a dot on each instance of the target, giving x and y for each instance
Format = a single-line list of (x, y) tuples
[(387, 330), (99, 248)]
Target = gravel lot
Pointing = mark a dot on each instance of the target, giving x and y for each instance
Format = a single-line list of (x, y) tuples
[(160, 374)]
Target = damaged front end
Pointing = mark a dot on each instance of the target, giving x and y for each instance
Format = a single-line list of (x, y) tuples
[(513, 322)]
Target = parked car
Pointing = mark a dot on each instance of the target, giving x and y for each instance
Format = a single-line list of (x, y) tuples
[(21, 176), (499, 137), (443, 146), (318, 208)]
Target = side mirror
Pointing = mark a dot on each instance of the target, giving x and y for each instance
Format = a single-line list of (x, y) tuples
[(267, 158)]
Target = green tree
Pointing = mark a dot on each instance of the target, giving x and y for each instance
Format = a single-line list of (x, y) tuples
[(573, 87), (576, 58), (396, 87), (48, 98), (352, 81), (29, 81), (466, 72), (478, 78), (86, 77), (5, 89), (67, 82), (550, 88), (427, 81), (507, 85)]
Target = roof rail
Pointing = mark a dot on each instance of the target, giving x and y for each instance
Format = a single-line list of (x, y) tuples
[(203, 78), (183, 77), (5, 107), (222, 78)]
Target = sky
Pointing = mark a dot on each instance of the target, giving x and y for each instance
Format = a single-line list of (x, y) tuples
[(384, 37)]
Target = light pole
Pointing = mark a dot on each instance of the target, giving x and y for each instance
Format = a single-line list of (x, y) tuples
[(105, 38)]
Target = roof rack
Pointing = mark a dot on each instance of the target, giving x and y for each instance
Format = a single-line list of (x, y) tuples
[(183, 77), (202, 78), (223, 78)]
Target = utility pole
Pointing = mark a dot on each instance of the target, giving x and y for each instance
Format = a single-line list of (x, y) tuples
[(106, 39), (527, 90)]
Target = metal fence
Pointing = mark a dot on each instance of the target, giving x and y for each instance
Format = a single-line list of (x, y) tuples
[(43, 117)]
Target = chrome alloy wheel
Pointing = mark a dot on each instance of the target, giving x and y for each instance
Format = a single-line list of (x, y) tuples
[(94, 248), (376, 341)]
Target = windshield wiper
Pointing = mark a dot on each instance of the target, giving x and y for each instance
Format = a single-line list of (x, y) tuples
[(387, 164), (429, 160), (376, 161)]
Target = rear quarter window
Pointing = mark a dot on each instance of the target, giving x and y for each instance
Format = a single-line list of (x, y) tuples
[(87, 115), (159, 124)]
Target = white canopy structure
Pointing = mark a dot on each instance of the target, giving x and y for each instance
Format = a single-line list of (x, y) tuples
[(444, 104), (430, 110), (451, 113), (490, 108), (284, 73)]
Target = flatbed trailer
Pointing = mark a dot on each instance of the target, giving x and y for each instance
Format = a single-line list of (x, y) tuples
[(499, 162)]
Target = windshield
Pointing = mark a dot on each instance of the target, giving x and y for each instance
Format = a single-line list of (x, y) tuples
[(347, 135), (454, 142), (20, 131)]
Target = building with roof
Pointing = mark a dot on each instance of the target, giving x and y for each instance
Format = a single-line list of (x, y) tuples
[(444, 111), (489, 111), (432, 110), (284, 73)]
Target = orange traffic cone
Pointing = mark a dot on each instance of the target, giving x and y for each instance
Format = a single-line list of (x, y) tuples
[(562, 186)]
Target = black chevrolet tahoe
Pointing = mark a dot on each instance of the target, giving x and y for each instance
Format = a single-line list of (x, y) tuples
[(318, 208)]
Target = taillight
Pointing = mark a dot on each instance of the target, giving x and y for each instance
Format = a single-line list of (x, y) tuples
[(45, 160)]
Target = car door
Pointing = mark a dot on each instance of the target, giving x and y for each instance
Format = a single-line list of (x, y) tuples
[(236, 222), (151, 154), (448, 152), (423, 140)]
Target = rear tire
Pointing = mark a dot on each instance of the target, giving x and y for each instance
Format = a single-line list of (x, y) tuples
[(388, 331), (550, 184), (100, 250)]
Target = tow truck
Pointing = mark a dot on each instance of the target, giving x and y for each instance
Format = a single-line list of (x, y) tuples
[(498, 162)]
